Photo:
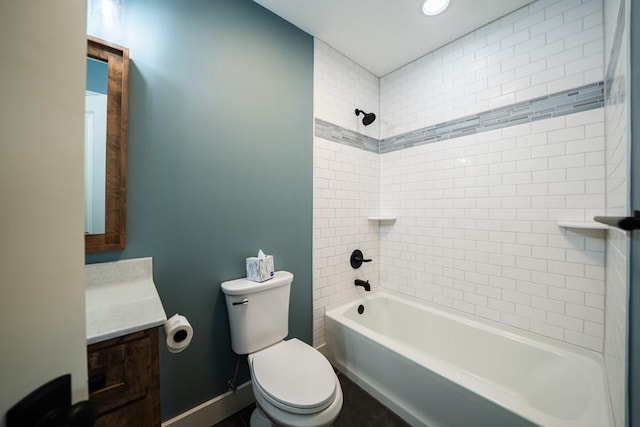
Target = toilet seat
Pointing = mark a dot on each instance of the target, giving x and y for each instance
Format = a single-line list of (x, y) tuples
[(294, 377)]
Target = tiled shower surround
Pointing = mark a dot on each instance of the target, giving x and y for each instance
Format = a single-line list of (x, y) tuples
[(477, 211), (617, 146), (544, 48), (477, 225), (346, 180)]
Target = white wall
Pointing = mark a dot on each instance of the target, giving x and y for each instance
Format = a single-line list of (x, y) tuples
[(477, 228), (617, 201), (341, 86), (42, 77), (477, 225), (477, 215), (546, 47), (346, 183)]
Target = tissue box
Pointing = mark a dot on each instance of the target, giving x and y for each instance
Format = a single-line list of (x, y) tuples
[(260, 269)]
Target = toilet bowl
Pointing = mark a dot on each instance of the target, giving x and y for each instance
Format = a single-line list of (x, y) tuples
[(293, 383)]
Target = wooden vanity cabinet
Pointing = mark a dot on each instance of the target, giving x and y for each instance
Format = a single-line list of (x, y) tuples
[(124, 380)]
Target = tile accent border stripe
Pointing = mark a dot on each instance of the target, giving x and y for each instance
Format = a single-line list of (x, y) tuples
[(335, 133), (558, 104), (583, 98)]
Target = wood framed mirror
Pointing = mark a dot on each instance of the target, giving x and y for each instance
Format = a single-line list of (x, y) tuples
[(108, 209)]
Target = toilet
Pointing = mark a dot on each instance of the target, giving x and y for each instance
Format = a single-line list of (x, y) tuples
[(293, 383)]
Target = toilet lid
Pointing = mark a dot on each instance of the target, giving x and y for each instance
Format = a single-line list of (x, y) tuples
[(295, 375)]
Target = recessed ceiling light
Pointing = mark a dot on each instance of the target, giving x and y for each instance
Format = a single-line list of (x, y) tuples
[(434, 7)]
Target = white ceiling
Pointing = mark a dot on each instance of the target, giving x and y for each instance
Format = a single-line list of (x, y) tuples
[(383, 35)]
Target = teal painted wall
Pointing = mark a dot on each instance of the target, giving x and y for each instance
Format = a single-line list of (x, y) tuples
[(96, 76), (220, 165)]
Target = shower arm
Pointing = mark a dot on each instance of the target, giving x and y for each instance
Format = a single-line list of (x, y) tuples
[(368, 117)]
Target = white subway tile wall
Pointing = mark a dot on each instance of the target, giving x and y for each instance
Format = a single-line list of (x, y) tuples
[(341, 86), (477, 226), (346, 184), (542, 48), (617, 191), (346, 191), (477, 215)]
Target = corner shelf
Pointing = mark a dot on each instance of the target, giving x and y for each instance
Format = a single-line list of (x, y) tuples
[(583, 224), (382, 219)]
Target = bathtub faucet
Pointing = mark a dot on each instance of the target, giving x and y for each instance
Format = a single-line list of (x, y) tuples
[(365, 285)]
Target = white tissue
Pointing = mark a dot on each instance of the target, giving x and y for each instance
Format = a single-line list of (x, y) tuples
[(178, 332), (260, 268)]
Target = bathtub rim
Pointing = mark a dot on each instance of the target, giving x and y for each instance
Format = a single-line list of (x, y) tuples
[(444, 369), (510, 331)]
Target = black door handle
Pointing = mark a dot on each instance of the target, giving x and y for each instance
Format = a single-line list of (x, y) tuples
[(627, 223), (97, 382)]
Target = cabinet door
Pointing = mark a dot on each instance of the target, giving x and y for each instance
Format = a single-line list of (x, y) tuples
[(124, 380), (133, 414), (119, 374)]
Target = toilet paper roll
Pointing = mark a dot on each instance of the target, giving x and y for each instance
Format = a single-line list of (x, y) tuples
[(178, 332)]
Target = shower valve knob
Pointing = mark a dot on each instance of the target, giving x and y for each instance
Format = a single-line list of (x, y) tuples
[(357, 258)]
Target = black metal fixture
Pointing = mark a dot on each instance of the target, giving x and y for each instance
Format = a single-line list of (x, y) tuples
[(50, 406), (627, 223), (360, 309), (368, 117), (357, 258), (365, 285)]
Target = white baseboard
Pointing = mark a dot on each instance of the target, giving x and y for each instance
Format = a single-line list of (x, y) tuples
[(220, 407), (214, 410), (322, 348)]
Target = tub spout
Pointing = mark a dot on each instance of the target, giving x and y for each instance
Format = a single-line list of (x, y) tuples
[(365, 285)]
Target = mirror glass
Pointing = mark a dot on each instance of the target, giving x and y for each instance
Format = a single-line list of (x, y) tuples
[(95, 146), (106, 109)]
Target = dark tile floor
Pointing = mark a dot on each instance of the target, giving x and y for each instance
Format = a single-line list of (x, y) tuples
[(358, 409)]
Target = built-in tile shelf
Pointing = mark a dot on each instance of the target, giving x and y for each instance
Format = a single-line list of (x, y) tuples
[(583, 224), (391, 219)]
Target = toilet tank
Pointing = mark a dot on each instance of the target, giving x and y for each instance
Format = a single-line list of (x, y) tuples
[(258, 312)]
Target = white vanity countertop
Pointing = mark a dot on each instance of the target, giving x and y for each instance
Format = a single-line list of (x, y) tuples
[(121, 298)]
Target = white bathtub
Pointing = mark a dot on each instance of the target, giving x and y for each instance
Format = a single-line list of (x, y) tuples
[(436, 368)]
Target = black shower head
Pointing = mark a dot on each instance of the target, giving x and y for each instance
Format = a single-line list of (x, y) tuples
[(368, 117)]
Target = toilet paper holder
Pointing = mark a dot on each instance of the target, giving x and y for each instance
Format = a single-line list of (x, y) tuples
[(178, 332)]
